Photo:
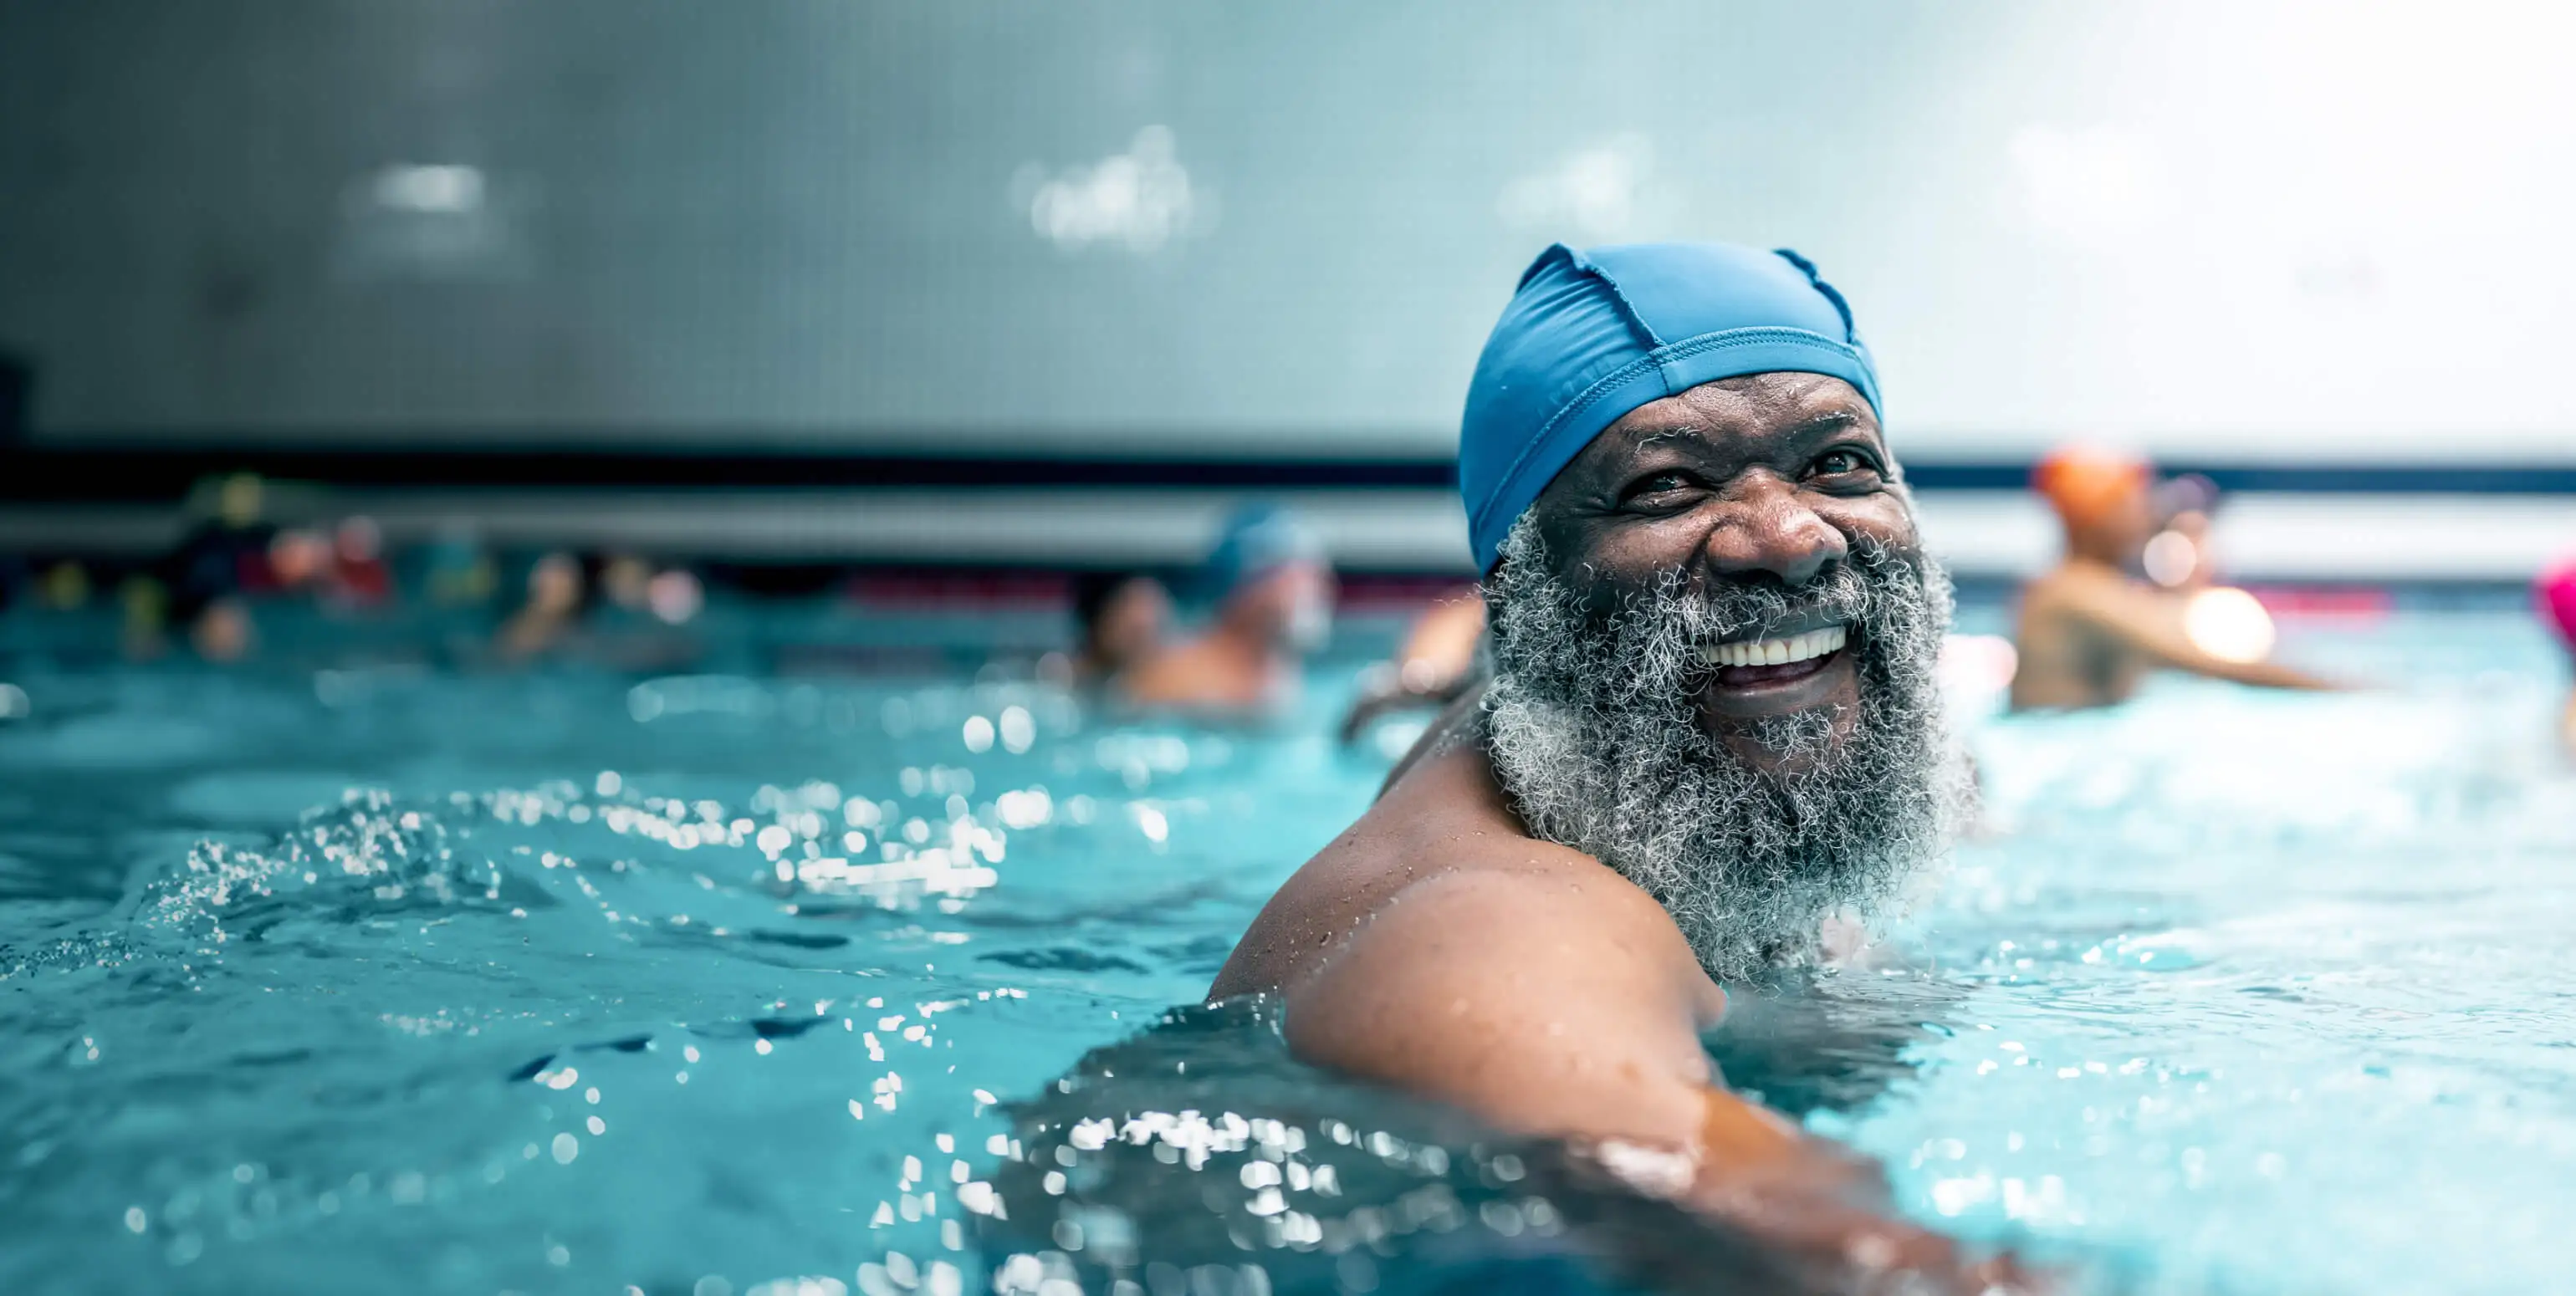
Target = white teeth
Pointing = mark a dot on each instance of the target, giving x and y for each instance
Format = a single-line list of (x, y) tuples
[(1776, 652)]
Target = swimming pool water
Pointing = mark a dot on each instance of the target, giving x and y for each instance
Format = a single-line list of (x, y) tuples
[(400, 979)]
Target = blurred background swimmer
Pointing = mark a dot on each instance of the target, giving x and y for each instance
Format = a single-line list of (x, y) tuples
[(1120, 618), (456, 570), (357, 576), (619, 613), (229, 552), (1273, 590), (560, 594), (2556, 593), (2089, 630)]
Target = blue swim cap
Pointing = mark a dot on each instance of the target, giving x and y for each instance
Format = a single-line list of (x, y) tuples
[(1255, 541), (1592, 335)]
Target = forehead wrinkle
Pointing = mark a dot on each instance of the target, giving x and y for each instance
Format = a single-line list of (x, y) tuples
[(1710, 430), (1707, 437), (1787, 397), (1682, 432)]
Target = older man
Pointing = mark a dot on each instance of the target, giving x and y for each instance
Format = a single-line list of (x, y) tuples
[(1712, 726)]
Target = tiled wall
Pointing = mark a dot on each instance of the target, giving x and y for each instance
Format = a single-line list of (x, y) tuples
[(1262, 228)]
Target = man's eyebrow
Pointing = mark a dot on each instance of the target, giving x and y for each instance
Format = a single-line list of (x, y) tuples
[(1830, 421)]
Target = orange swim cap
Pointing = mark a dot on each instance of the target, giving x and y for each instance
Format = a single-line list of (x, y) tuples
[(2086, 483)]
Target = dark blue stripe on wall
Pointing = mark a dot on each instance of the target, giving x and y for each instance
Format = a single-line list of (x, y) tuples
[(55, 473), (134, 474), (2302, 478)]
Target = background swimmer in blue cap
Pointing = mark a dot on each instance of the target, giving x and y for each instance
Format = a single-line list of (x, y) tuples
[(1273, 590), (1713, 723)]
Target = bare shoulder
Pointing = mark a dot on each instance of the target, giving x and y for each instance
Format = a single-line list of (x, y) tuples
[(2087, 589), (1182, 674), (2057, 590), (1440, 863), (2088, 599), (1439, 948)]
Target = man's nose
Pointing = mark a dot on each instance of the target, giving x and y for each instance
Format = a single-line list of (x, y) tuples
[(1766, 526)]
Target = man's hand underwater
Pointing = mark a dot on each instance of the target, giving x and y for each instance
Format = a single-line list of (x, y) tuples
[(1811, 1201)]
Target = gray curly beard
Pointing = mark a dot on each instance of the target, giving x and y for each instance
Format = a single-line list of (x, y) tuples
[(1594, 730)]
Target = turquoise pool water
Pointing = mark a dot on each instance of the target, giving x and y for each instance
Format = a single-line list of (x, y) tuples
[(393, 978)]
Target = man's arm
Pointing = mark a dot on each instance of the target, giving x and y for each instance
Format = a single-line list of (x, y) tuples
[(2151, 623), (1531, 999), (1561, 1001)]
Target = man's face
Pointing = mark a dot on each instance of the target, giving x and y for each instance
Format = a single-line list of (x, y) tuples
[(1763, 482), (1714, 638), (1290, 605)]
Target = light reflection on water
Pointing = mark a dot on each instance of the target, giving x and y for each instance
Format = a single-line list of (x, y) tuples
[(732, 984)]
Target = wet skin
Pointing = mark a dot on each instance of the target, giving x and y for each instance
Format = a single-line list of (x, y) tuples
[(1765, 479), (1437, 947)]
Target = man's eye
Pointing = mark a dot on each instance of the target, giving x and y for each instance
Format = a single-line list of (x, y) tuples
[(1835, 463), (1659, 484)]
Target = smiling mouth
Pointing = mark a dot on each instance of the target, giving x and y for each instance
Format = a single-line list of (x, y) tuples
[(1747, 663)]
